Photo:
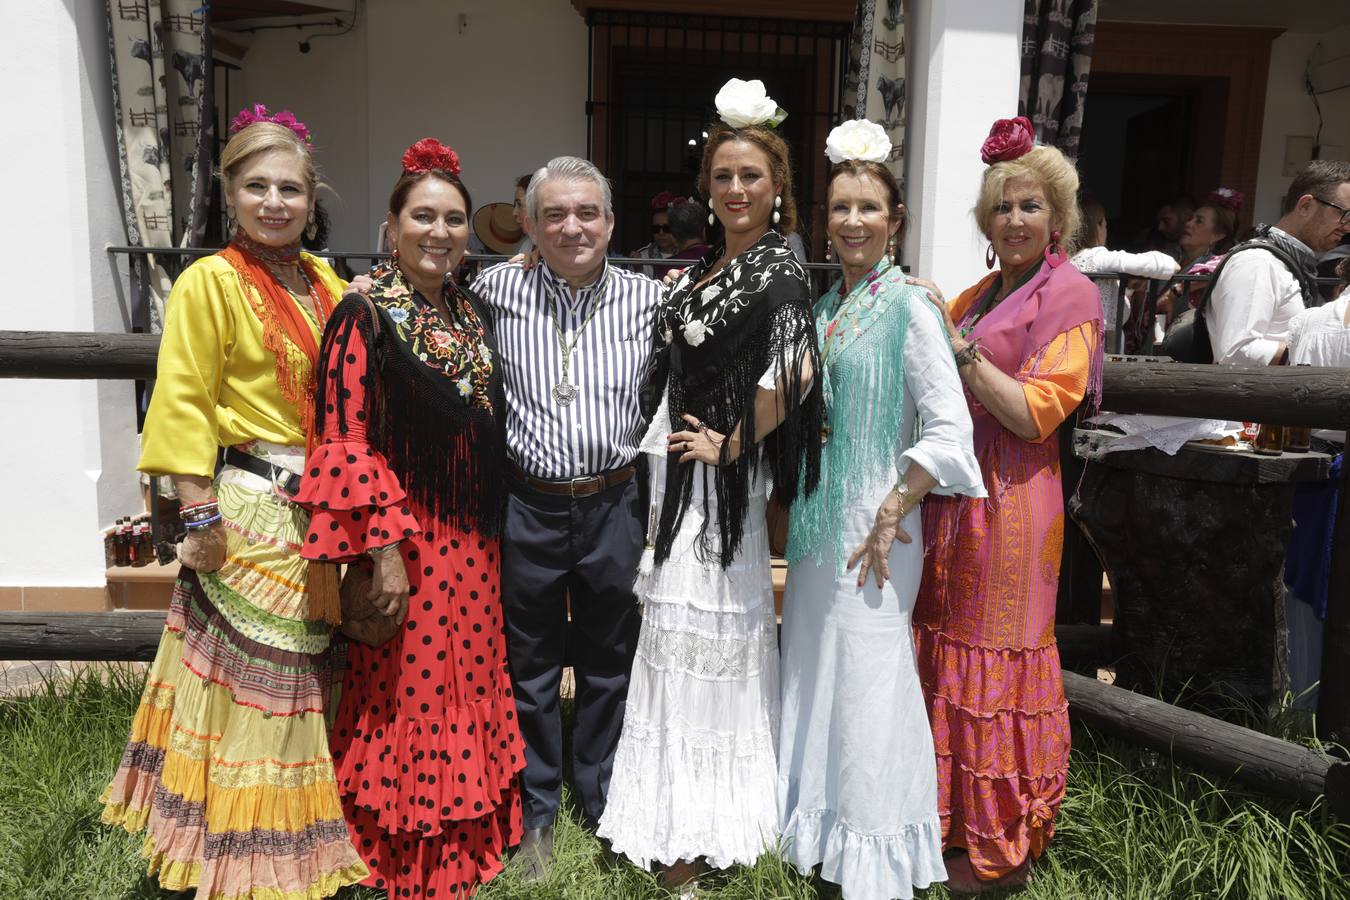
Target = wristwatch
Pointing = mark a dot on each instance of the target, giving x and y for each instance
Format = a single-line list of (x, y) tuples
[(901, 490)]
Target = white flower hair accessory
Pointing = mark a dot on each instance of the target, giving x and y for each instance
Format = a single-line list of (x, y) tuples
[(744, 103), (859, 139)]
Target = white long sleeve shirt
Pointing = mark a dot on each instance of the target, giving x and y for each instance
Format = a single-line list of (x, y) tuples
[(1096, 260), (1249, 312)]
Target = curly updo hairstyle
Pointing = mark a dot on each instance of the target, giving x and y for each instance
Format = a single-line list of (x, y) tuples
[(1054, 173)]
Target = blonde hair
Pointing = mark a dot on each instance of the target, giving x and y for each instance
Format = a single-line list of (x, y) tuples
[(780, 165), (262, 137), (1054, 173)]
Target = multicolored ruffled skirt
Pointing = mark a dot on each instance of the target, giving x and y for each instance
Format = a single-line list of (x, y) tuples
[(228, 770)]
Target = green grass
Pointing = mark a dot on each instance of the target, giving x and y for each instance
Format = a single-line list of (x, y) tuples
[(1133, 827)]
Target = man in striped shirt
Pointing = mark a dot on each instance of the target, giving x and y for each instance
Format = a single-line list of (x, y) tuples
[(575, 344)]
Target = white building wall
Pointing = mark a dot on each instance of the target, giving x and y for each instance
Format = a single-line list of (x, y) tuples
[(70, 455), (508, 94), (964, 70), (1290, 111)]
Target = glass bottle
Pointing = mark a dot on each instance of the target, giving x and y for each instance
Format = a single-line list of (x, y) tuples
[(1270, 442)]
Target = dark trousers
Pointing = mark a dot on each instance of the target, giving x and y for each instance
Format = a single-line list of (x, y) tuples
[(554, 547)]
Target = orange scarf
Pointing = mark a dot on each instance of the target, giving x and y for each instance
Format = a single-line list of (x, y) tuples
[(288, 335), (286, 329)]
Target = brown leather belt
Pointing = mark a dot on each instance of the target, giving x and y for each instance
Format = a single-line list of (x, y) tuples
[(581, 486)]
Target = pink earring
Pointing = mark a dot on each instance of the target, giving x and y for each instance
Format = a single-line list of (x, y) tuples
[(1054, 253)]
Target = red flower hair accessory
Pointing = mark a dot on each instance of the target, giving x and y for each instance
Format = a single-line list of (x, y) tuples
[(428, 154), (1008, 139), (258, 113), (1225, 197), (665, 200)]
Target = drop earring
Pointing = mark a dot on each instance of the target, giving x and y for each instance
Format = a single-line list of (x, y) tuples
[(890, 249), (777, 204), (989, 257), (393, 257), (231, 223), (829, 251), (712, 218), (312, 228)]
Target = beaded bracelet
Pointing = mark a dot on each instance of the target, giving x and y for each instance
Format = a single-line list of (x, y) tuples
[(200, 511), (203, 523)]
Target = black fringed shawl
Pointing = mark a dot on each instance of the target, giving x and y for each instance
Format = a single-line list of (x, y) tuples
[(752, 317), (433, 394)]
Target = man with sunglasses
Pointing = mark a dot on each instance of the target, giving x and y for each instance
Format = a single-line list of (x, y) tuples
[(1255, 295), (662, 244)]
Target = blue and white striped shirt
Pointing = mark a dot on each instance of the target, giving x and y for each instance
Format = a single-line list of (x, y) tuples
[(601, 428)]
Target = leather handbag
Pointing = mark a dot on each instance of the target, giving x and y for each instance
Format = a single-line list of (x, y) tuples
[(361, 621)]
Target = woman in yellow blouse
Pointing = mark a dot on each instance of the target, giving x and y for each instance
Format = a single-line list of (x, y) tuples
[(228, 768)]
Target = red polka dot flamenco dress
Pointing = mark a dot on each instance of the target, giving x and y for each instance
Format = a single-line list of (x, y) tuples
[(425, 741)]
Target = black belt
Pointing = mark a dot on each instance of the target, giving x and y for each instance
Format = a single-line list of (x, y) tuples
[(290, 485), (581, 486)]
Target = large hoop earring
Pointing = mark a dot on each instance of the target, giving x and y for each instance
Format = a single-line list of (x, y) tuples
[(989, 257), (1054, 253)]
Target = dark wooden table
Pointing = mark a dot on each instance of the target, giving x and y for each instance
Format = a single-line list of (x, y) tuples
[(1194, 547)]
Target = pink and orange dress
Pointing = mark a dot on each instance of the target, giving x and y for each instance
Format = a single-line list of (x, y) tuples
[(984, 621)]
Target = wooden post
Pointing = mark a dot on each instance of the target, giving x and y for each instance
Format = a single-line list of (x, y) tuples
[(77, 354), (1272, 766), (87, 636), (1333, 694)]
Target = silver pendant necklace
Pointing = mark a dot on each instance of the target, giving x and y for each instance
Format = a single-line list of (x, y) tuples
[(565, 392)]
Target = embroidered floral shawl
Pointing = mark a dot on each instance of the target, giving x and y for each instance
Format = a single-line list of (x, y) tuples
[(753, 317), (434, 411)]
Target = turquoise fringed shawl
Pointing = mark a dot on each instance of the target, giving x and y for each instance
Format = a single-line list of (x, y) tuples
[(862, 337)]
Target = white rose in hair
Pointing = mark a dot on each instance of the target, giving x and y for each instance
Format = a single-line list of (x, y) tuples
[(859, 139), (694, 332), (741, 103)]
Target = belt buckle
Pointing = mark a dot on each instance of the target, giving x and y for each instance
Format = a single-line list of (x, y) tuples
[(572, 484)]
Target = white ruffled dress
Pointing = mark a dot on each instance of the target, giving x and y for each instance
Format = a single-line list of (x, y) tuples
[(695, 773), (857, 776)]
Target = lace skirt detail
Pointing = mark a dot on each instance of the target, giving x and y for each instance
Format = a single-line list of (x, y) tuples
[(695, 772)]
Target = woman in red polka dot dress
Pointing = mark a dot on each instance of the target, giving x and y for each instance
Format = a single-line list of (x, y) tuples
[(406, 480)]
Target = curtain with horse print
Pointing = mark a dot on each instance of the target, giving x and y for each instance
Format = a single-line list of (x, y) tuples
[(874, 87), (1057, 40), (162, 90)]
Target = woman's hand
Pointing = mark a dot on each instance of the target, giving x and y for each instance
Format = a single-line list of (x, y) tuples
[(672, 276), (875, 550), (935, 297), (389, 584), (361, 284), (527, 260), (702, 443), (203, 550)]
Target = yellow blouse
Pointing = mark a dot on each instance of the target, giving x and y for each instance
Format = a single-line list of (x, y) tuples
[(216, 383)]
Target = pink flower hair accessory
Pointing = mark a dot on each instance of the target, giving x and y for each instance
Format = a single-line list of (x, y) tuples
[(258, 113), (1008, 139), (428, 154), (1225, 197)]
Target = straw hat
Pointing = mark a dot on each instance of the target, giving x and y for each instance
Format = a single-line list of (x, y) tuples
[(496, 227)]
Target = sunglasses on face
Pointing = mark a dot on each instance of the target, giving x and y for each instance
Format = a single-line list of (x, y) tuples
[(660, 229)]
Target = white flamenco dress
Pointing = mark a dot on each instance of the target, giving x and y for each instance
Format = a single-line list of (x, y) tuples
[(695, 773)]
